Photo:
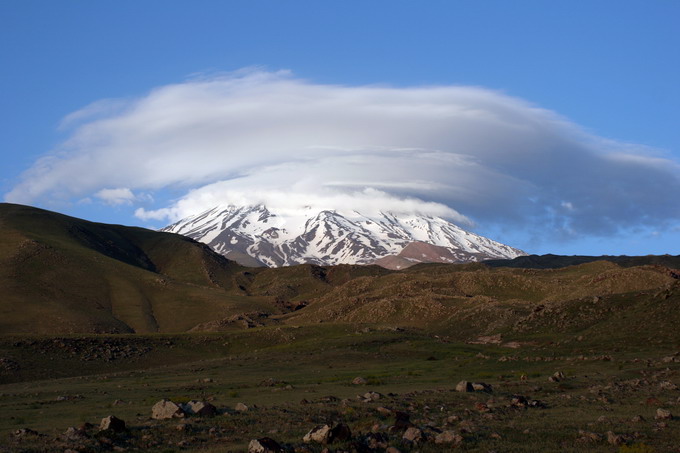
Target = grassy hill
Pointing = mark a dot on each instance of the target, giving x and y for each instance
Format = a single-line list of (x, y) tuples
[(60, 274)]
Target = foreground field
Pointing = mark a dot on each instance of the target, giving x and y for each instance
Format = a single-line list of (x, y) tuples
[(604, 397), (560, 353)]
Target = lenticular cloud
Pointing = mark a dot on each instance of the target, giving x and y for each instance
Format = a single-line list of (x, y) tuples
[(466, 153)]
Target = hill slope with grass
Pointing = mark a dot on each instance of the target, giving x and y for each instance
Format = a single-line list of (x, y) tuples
[(59, 274)]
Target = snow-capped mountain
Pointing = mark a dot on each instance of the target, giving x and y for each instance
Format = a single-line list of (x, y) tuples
[(254, 235)]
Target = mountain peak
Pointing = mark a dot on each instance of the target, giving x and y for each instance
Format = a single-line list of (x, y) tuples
[(257, 234)]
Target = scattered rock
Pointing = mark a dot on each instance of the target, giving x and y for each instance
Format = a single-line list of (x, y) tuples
[(667, 385), (320, 434), (166, 409), (73, 433), (413, 434), (264, 445), (452, 419), (340, 433), (482, 387), (637, 419), (385, 412), (464, 386), (370, 396), (467, 386), (376, 441), (519, 401), (271, 382), (448, 437), (359, 381), (617, 439), (588, 436), (663, 414), (23, 432), (481, 407), (112, 423), (536, 404), (240, 407), (200, 408), (556, 377), (402, 422)]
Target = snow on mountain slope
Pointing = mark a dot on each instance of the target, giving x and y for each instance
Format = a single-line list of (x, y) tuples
[(329, 237)]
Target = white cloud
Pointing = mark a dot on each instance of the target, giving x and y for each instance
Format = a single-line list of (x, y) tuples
[(452, 150), (118, 196), (368, 201)]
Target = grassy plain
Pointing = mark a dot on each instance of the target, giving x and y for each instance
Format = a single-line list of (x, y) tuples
[(311, 368)]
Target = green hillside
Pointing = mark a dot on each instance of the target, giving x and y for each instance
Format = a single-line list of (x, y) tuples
[(60, 274)]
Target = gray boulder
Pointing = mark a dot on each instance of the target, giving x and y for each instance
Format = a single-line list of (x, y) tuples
[(320, 434), (165, 410)]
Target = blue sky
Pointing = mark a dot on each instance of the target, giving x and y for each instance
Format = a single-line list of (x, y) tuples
[(608, 69)]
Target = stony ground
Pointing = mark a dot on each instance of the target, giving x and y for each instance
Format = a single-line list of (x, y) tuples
[(363, 392)]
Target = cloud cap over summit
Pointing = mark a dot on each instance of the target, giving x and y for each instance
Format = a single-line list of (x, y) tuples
[(269, 137)]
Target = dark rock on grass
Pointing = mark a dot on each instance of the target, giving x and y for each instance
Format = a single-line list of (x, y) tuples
[(264, 445), (23, 432), (467, 386), (324, 434), (375, 441), (556, 377), (520, 401), (340, 433), (464, 386), (402, 422), (482, 387), (200, 408), (112, 423)]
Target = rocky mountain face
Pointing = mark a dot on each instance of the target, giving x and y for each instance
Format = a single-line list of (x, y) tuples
[(254, 235)]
